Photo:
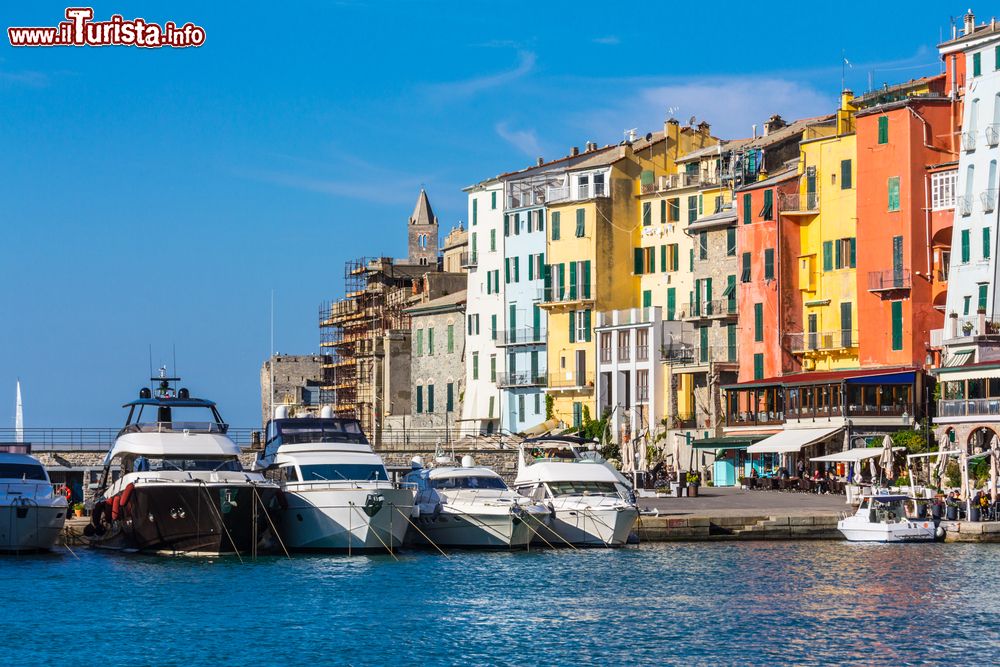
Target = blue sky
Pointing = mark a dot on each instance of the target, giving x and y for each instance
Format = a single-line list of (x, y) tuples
[(157, 197)]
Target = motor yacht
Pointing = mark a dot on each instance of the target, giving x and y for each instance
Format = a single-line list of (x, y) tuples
[(182, 488), (591, 503), (470, 506), (882, 518), (338, 496), (31, 514)]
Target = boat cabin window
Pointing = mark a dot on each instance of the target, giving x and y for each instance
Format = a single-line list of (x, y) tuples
[(175, 418), (468, 482), (306, 430), (583, 489), (553, 454), (288, 474), (343, 472), (886, 512), (22, 471), (202, 464)]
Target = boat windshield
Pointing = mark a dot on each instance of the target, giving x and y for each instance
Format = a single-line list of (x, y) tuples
[(202, 464), (305, 430), (468, 482), (554, 454), (22, 471), (176, 418), (343, 472), (583, 488)]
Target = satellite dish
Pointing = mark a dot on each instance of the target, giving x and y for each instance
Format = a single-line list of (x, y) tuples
[(649, 136), (693, 119)]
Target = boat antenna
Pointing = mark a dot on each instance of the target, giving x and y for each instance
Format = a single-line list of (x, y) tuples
[(175, 361), (150, 366), (270, 365)]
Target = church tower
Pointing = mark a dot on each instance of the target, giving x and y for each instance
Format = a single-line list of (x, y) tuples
[(423, 237)]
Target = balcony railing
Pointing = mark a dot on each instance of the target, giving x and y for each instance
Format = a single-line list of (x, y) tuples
[(755, 418), (969, 407), (588, 190), (799, 203), (565, 293), (681, 180), (522, 336), (696, 355), (556, 193), (642, 353), (521, 379), (469, 259), (841, 339), (713, 308), (605, 355), (964, 204), (677, 354), (969, 141), (889, 279), (685, 420), (989, 200), (993, 134), (624, 353), (570, 380)]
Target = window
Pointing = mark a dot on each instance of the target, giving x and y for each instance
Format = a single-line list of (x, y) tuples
[(977, 64), (580, 222), (731, 241), (577, 414), (493, 200), (843, 254), (538, 404), (493, 240), (420, 342), (846, 182), (430, 340), (642, 385), (965, 247), (673, 256), (894, 193), (451, 338), (758, 323), (663, 258), (983, 289), (430, 398), (883, 129), (647, 298), (828, 255), (897, 325), (745, 273), (671, 302), (449, 404), (420, 398), (493, 327), (491, 408), (943, 187), (647, 214), (767, 213), (702, 245), (747, 217), (674, 210), (555, 225), (965, 304), (493, 368), (731, 342), (986, 242), (703, 344), (758, 366), (691, 260), (768, 263), (520, 407), (475, 365), (692, 208), (663, 211), (996, 58), (475, 211)]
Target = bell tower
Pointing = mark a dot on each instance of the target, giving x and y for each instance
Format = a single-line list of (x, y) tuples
[(423, 233)]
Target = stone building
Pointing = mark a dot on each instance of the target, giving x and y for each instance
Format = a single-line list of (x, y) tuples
[(453, 248), (297, 382)]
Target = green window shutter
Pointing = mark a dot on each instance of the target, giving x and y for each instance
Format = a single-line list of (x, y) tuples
[(647, 298), (637, 257), (827, 255), (838, 259), (745, 273), (581, 229), (996, 58), (420, 398), (451, 338), (577, 414), (473, 245), (854, 252), (731, 241), (697, 297), (692, 208), (430, 340), (475, 365), (965, 246), (731, 342), (897, 325), (965, 304), (769, 264), (493, 239), (586, 279), (572, 326), (572, 281), (663, 258), (506, 224), (703, 344), (475, 211), (768, 213), (691, 263), (701, 200), (430, 398), (663, 211), (531, 267), (586, 324), (677, 257), (983, 291), (883, 129), (512, 318), (977, 64), (420, 342), (493, 199), (758, 322), (562, 281), (747, 210), (517, 269), (506, 270), (708, 290), (671, 302), (450, 405), (986, 242), (493, 368), (647, 213), (894, 193), (555, 225), (493, 327), (702, 245), (845, 175), (758, 366)]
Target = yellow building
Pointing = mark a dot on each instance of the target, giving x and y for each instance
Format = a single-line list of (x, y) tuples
[(825, 210)]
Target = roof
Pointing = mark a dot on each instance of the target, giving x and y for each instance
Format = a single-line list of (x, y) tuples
[(727, 442), (172, 444), (825, 377), (723, 217), (788, 131), (785, 174), (984, 30), (422, 212), (707, 151), (444, 303)]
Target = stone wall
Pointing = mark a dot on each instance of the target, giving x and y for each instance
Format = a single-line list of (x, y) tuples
[(293, 375)]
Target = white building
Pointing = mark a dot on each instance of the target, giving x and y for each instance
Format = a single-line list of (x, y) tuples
[(971, 278), (484, 316)]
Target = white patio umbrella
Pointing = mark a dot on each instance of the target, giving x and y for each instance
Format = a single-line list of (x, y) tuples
[(874, 469), (886, 458), (994, 452), (628, 455), (643, 462), (677, 452)]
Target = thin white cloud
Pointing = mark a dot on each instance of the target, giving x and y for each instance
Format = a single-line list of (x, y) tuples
[(523, 140), (398, 191), (24, 78), (470, 87), (608, 40)]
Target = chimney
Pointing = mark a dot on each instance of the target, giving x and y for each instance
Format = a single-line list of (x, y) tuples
[(574, 151), (773, 123), (591, 146), (755, 130), (970, 23), (704, 127), (540, 161)]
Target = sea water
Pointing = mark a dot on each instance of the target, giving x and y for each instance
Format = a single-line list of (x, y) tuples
[(698, 603)]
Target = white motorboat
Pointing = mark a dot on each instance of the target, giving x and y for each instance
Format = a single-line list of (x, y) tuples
[(31, 514), (591, 502), (882, 518), (337, 493), (182, 488), (470, 506)]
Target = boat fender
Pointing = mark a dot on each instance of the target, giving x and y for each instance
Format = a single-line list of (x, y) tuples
[(127, 495), (939, 533), (282, 499), (116, 507), (89, 530)]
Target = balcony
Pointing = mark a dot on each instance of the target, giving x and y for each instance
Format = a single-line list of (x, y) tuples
[(565, 294), (605, 355), (521, 379), (642, 353), (469, 260), (889, 280), (588, 190), (695, 355), (969, 141), (570, 381), (522, 336), (964, 204), (993, 135), (681, 180), (828, 341), (989, 200), (710, 309), (624, 353), (762, 418), (969, 407), (685, 420), (799, 204)]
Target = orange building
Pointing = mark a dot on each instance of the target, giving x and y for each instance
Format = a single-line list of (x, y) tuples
[(903, 133)]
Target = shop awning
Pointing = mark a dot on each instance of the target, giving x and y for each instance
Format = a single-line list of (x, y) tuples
[(792, 440), (854, 455), (728, 442), (958, 359)]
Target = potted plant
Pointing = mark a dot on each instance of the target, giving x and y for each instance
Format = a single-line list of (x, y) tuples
[(951, 510), (693, 479), (78, 509), (967, 328), (936, 506)]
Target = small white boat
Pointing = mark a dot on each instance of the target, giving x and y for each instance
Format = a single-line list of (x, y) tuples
[(471, 506), (591, 502), (337, 493), (31, 514), (882, 518)]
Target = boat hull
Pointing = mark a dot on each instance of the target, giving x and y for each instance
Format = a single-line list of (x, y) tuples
[(493, 530), (30, 527), (596, 526), (345, 519), (193, 518), (908, 531)]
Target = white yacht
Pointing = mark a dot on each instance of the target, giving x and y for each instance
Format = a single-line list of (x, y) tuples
[(31, 514), (882, 518), (591, 502), (337, 494), (182, 488), (470, 506)]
